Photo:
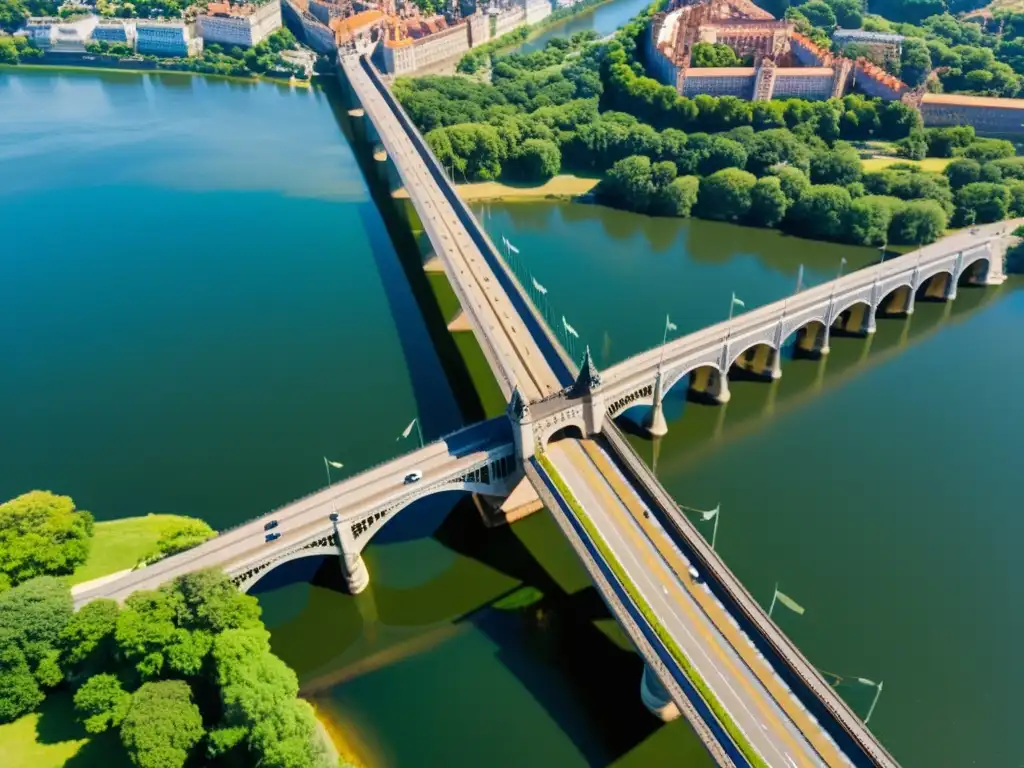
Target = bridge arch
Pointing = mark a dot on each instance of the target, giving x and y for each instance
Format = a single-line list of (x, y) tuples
[(809, 339), (757, 360), (975, 268), (939, 285), (569, 431), (854, 319), (899, 300)]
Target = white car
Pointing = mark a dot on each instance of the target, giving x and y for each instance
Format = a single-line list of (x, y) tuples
[(414, 477), (694, 574)]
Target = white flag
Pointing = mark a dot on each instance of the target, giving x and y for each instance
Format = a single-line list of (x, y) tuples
[(710, 514), (540, 288), (511, 247), (789, 602), (568, 328), (335, 464), (408, 429), (669, 325), (737, 301)]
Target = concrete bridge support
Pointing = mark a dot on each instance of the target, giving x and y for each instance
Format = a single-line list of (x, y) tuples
[(655, 421), (812, 340), (353, 569), (710, 382), (655, 697)]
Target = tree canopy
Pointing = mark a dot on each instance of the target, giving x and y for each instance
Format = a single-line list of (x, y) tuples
[(42, 534)]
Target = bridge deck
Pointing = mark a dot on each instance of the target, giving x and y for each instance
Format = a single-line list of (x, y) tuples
[(308, 517)]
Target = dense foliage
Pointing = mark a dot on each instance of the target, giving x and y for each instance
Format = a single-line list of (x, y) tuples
[(183, 674), (41, 534)]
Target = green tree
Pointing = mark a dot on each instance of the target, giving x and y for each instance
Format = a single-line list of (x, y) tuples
[(821, 212), (984, 150), (915, 61), (981, 203), (180, 536), (146, 630), (839, 165), (962, 171), (42, 534), (101, 703), (943, 142), (819, 14), (713, 55), (917, 222), (775, 146), (212, 603), (19, 691), (849, 13), (793, 181), (32, 617), (726, 194), (768, 203), (868, 219), (914, 146), (288, 738), (535, 160), (162, 725), (679, 197), (87, 640), (628, 184)]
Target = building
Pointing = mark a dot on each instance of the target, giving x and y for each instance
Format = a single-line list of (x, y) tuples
[(883, 47), (415, 44), (114, 31), (359, 28), (537, 10), (244, 25), (173, 37), (52, 33)]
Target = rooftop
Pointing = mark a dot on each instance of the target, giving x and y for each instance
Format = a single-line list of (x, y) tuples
[(860, 34), (956, 99)]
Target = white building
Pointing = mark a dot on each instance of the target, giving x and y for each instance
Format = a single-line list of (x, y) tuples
[(537, 10), (243, 25), (167, 38), (53, 33), (114, 31)]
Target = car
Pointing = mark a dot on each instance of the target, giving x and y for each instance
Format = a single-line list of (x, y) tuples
[(414, 477), (272, 537), (694, 574), (272, 524), (334, 517)]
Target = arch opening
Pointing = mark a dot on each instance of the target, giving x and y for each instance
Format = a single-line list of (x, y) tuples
[(896, 303), (757, 363), (569, 431), (298, 570), (809, 340), (936, 288), (701, 385), (974, 274), (852, 321)]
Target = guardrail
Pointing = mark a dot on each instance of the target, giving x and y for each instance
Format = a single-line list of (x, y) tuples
[(850, 735)]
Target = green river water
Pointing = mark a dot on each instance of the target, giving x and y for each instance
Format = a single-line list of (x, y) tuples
[(200, 299)]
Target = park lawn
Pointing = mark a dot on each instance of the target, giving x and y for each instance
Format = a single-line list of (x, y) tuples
[(119, 544), (563, 186), (877, 163), (50, 738)]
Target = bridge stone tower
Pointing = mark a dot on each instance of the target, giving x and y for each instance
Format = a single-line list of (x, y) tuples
[(587, 388)]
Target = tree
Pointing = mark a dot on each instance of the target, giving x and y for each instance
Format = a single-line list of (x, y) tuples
[(180, 536), (914, 146), (989, 149), (13, 15), (87, 641), (32, 617), (868, 219), (819, 14), (775, 146), (628, 184), (943, 142), (535, 160), (793, 181), (42, 534), (288, 738), (19, 691), (101, 703), (981, 203), (146, 629), (678, 198), (768, 203), (848, 13), (162, 725), (962, 171), (915, 61), (212, 603), (821, 212), (726, 194), (714, 55), (917, 222), (839, 165)]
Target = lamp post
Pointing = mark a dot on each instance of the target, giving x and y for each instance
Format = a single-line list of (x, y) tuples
[(705, 515), (878, 692)]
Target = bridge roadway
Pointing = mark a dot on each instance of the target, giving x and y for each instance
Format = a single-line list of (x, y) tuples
[(773, 718), (497, 321), (308, 518)]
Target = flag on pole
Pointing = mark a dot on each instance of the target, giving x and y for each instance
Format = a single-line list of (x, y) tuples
[(789, 602), (335, 464), (540, 288), (669, 325), (408, 430), (568, 328), (710, 514), (509, 245), (737, 302)]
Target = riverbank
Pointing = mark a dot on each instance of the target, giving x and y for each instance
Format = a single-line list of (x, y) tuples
[(564, 186), (154, 71), (342, 746)]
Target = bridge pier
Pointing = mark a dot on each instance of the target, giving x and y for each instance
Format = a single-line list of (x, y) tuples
[(718, 387), (776, 364), (655, 697), (353, 569), (655, 421)]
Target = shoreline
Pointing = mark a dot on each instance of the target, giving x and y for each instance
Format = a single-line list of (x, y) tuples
[(561, 187), (341, 747), (13, 68)]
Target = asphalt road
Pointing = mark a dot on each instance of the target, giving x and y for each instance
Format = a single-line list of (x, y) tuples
[(775, 724)]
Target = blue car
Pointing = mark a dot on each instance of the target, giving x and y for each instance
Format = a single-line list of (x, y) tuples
[(273, 537), (270, 525)]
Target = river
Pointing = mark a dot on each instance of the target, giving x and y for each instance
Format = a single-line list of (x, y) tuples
[(200, 300), (604, 19)]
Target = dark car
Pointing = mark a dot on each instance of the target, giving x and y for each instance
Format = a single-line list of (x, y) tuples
[(271, 525), (273, 537), (334, 517)]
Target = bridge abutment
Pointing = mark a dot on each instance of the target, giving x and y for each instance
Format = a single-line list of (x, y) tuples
[(655, 697), (655, 422)]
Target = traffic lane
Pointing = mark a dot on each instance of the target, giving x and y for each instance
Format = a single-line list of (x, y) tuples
[(713, 657), (655, 537), (248, 543)]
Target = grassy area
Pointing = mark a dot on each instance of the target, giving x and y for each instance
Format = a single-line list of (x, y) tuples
[(120, 544), (563, 187), (50, 738), (936, 164), (692, 675)]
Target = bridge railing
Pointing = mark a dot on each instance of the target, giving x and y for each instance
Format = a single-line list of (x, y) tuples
[(338, 485), (810, 687), (554, 355)]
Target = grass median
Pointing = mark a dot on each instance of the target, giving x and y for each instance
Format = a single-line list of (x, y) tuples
[(738, 737)]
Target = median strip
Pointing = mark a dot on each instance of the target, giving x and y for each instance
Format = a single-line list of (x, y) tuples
[(737, 735)]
